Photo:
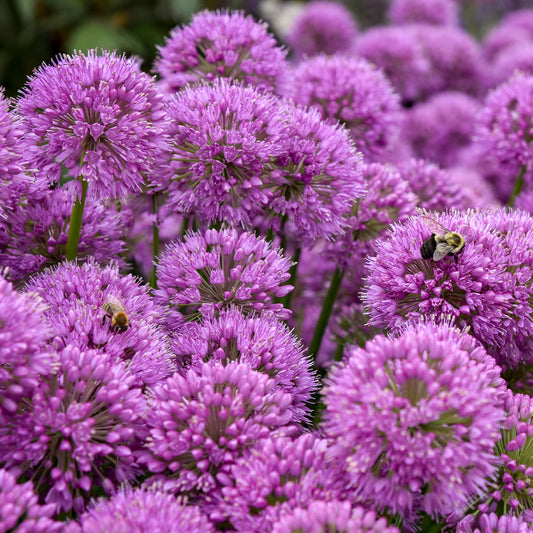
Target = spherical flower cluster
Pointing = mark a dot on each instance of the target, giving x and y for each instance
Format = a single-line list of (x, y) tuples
[(224, 138), (514, 58), (398, 52), (278, 475), (220, 44), (24, 355), (85, 303), (136, 511), (77, 433), (434, 188), (520, 19), (98, 116), (316, 178), (502, 36), (439, 12), (354, 92), (440, 127), (213, 270), (262, 342), (486, 287), (491, 522), (322, 27), (38, 232), (200, 423), (338, 516), (415, 419), (20, 510), (476, 191)]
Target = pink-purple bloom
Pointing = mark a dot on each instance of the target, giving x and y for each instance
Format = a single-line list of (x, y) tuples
[(414, 419), (438, 12), (98, 116), (220, 44)]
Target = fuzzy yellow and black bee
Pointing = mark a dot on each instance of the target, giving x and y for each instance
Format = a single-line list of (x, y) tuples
[(439, 245), (117, 315)]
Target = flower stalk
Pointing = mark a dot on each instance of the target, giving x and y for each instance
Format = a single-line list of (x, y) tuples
[(76, 217)]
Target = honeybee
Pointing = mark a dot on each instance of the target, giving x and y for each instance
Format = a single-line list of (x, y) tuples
[(117, 315), (439, 245)]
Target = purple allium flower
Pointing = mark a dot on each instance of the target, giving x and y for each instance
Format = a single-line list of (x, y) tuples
[(77, 296), (517, 57), (224, 138), (352, 91), (504, 123), (213, 270), (276, 476), (439, 12), (486, 287), (322, 27), (24, 355), (20, 510), (38, 230), (98, 116), (200, 423), (317, 177), (340, 516), (502, 36), (220, 44), (137, 511), (76, 434), (491, 522), (399, 54), (415, 419), (435, 190), (476, 191), (438, 128), (520, 19), (262, 342)]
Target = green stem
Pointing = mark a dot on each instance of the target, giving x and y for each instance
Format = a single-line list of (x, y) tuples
[(155, 244), (286, 300), (327, 307), (519, 183), (76, 217)]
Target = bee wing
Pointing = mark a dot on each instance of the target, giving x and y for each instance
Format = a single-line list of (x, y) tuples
[(441, 251), (436, 227)]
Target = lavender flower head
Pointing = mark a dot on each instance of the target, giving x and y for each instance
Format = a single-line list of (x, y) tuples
[(77, 297), (200, 423), (224, 138), (135, 511), (440, 127), (415, 418), (438, 12), (24, 355), (77, 433), (262, 342), (213, 270), (316, 179), (322, 27), (20, 510), (220, 44), (340, 516), (397, 51), (486, 287), (98, 116), (354, 92)]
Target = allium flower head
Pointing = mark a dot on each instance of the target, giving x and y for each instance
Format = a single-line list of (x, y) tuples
[(20, 510), (439, 12), (398, 52), (262, 342), (520, 19), (223, 139), (491, 522), (322, 27), (200, 423), (476, 191), (76, 434), (213, 270), (516, 57), (340, 516), (502, 36), (440, 127), (352, 91), (24, 355), (139, 511), (97, 115), (317, 177), (415, 418), (486, 287), (77, 297), (220, 44)]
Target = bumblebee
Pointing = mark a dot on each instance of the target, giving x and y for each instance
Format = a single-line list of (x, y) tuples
[(437, 247), (117, 315)]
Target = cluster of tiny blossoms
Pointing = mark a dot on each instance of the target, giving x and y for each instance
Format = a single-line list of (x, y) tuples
[(284, 285)]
